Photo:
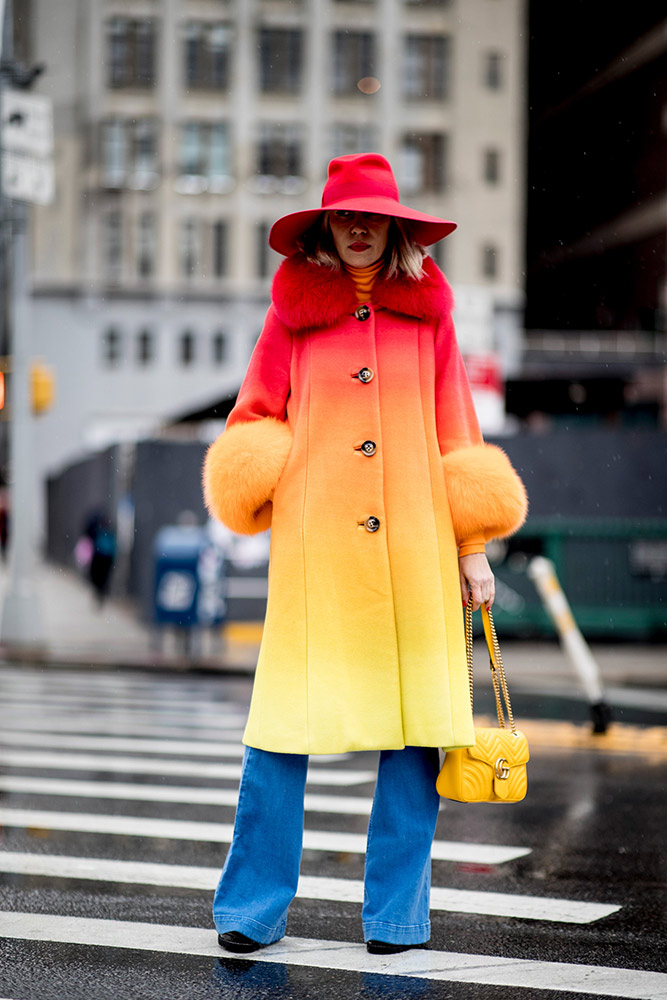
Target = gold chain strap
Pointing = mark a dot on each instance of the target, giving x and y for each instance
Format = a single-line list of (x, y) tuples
[(498, 678)]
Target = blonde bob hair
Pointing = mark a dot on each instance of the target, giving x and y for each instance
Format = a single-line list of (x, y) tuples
[(401, 255)]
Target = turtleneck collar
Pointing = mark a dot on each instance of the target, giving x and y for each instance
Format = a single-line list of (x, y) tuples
[(309, 295), (364, 278)]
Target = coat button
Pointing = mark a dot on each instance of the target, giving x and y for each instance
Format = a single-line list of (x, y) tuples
[(363, 313), (372, 523), (369, 447), (365, 375)]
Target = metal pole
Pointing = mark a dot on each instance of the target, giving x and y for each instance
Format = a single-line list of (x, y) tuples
[(22, 627), (543, 574)]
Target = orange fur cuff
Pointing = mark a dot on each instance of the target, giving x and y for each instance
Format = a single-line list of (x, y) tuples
[(486, 496), (241, 471)]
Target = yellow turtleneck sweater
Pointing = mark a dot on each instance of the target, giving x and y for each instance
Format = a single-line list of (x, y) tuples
[(364, 278)]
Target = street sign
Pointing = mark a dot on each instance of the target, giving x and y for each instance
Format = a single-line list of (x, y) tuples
[(28, 178), (27, 123)]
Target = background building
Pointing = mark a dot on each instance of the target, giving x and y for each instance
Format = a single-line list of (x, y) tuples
[(185, 127), (596, 215)]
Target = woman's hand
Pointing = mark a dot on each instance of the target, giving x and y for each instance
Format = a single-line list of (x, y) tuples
[(476, 579)]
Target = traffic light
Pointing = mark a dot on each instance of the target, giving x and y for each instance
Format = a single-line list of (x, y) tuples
[(5, 368), (42, 387)]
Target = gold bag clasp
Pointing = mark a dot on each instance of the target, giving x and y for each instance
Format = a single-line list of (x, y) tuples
[(502, 769)]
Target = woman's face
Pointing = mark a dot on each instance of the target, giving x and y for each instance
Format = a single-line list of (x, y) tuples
[(360, 238)]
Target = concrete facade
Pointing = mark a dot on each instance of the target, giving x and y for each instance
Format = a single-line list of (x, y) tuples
[(151, 275)]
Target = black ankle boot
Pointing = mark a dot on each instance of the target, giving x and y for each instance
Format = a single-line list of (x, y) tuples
[(385, 948), (235, 941)]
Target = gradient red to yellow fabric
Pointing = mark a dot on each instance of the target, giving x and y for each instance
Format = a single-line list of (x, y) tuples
[(363, 644)]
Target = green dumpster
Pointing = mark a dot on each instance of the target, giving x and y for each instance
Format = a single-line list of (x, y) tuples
[(613, 573)]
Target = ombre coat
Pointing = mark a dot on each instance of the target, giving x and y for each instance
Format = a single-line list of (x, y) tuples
[(356, 440)]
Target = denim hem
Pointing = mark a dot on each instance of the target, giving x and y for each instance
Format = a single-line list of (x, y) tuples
[(381, 930), (254, 929)]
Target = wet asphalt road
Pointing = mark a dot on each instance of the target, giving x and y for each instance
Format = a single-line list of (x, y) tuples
[(131, 769)]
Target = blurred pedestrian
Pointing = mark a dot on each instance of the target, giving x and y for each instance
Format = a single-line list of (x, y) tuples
[(101, 552), (4, 523), (355, 437)]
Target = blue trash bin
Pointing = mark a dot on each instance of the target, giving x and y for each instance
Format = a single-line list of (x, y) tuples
[(189, 589)]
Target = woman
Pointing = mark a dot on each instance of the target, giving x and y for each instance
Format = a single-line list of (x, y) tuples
[(354, 436)]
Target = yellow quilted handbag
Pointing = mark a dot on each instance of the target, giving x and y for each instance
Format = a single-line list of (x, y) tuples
[(494, 769)]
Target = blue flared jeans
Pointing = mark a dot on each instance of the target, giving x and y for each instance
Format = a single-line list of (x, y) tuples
[(261, 871)]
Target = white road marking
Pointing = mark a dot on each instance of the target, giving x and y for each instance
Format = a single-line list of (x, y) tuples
[(633, 984), (310, 887), (125, 744), (186, 748), (114, 700), (74, 704), (109, 763), (92, 724), (349, 805), (313, 840)]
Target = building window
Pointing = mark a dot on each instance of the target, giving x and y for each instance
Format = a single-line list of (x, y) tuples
[(280, 60), (193, 159), (145, 347), (491, 166), (131, 53), (112, 248), (188, 248), (262, 249), (351, 139), (112, 347), (438, 252), (206, 154), (114, 153), (219, 347), (146, 245), (490, 260), (219, 156), (207, 51), (187, 347), (219, 261), (279, 150), (426, 67), (422, 163), (493, 70), (144, 156), (353, 59), (129, 153)]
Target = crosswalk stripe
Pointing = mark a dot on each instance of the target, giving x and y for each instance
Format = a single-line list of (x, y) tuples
[(228, 739), (139, 716), (210, 714), (94, 725), (310, 887), (633, 984), (108, 763), (349, 805), (108, 700), (57, 676), (554, 734), (185, 748), (313, 840)]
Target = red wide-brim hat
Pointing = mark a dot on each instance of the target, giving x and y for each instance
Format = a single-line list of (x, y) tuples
[(361, 182)]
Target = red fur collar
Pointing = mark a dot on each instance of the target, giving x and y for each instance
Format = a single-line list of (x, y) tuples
[(309, 295)]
